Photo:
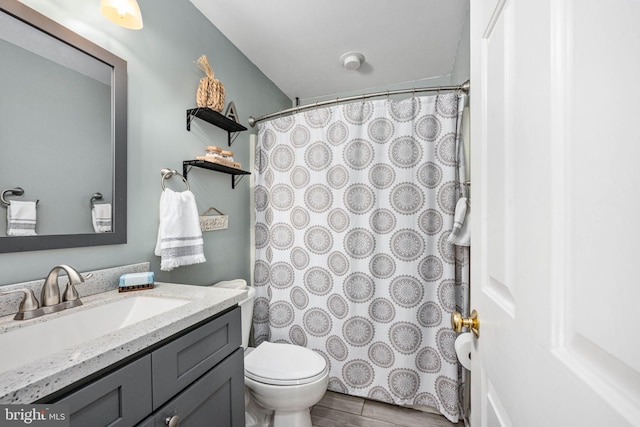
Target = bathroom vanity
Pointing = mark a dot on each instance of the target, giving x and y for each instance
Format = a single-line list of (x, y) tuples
[(192, 379), (175, 358)]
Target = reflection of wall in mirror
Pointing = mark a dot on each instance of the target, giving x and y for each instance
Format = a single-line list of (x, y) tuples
[(55, 138)]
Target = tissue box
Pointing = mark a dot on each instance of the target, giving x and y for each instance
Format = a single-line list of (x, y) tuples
[(136, 281)]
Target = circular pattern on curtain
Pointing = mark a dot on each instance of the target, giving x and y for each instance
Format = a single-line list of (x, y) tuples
[(337, 133), (404, 110), (381, 176), (354, 204), (358, 153)]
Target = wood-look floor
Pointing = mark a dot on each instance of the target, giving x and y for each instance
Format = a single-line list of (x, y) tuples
[(341, 410)]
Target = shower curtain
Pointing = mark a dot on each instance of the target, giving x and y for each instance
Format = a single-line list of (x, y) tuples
[(354, 204)]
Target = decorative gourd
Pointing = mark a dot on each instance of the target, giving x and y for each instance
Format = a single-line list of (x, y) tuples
[(210, 92)]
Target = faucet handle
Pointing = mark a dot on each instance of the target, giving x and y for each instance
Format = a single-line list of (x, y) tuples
[(70, 293), (28, 303)]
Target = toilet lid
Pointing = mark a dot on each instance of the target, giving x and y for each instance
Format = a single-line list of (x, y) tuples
[(284, 364)]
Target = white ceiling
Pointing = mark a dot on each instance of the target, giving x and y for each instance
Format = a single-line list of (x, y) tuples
[(298, 44)]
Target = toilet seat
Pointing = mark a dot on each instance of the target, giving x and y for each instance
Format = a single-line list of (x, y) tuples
[(284, 364)]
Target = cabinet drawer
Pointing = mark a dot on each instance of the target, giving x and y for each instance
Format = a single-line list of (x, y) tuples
[(181, 362), (122, 398), (216, 399)]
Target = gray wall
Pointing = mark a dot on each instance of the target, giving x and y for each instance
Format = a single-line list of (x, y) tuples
[(462, 66), (162, 83)]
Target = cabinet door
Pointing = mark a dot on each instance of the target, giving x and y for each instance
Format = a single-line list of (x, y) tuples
[(215, 400), (122, 398), (181, 362)]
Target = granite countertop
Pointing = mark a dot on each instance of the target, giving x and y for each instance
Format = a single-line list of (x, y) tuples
[(46, 375)]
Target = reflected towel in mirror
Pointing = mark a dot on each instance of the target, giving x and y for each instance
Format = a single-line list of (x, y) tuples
[(21, 218), (101, 218)]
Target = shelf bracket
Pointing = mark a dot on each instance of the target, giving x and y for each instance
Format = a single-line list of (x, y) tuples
[(235, 181), (189, 120), (230, 139)]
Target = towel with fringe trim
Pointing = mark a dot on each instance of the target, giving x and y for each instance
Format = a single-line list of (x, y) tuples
[(179, 236), (101, 218), (21, 218), (461, 234)]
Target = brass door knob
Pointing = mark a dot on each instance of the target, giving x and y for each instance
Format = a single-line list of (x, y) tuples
[(473, 322)]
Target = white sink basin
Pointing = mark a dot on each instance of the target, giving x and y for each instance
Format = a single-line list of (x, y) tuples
[(77, 325)]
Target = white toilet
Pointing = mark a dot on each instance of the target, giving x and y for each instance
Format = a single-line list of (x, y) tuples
[(284, 380)]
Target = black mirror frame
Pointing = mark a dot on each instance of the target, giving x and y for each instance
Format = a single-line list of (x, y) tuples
[(119, 118)]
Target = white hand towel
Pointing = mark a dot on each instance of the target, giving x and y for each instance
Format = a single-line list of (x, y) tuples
[(461, 234), (179, 235), (101, 217), (21, 218)]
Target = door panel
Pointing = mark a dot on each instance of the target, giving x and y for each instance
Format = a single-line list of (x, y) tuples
[(499, 161), (554, 138), (601, 171)]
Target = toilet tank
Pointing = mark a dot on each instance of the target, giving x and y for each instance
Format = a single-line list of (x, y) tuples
[(246, 306)]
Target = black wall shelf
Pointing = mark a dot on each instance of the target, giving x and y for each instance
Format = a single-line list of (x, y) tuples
[(236, 174), (216, 119)]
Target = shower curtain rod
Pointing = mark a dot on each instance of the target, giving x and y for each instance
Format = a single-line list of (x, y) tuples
[(464, 87)]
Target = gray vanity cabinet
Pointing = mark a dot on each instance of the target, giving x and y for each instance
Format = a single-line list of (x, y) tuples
[(195, 379), (185, 359), (215, 400), (121, 398)]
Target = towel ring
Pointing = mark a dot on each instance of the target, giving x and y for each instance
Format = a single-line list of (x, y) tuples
[(12, 192), (18, 191), (168, 173), (96, 196)]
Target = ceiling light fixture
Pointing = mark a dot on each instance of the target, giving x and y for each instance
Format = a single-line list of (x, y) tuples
[(352, 60), (125, 13)]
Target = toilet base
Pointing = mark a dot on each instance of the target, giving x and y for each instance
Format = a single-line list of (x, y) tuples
[(300, 418), (254, 414), (257, 416)]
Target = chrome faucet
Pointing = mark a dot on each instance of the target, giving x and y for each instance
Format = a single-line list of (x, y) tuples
[(50, 296)]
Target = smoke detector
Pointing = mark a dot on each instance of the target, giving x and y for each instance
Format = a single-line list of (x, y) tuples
[(352, 60)]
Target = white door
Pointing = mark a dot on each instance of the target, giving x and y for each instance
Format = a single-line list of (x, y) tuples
[(555, 136)]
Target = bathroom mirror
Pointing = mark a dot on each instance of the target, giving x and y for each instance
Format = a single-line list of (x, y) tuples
[(63, 131)]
